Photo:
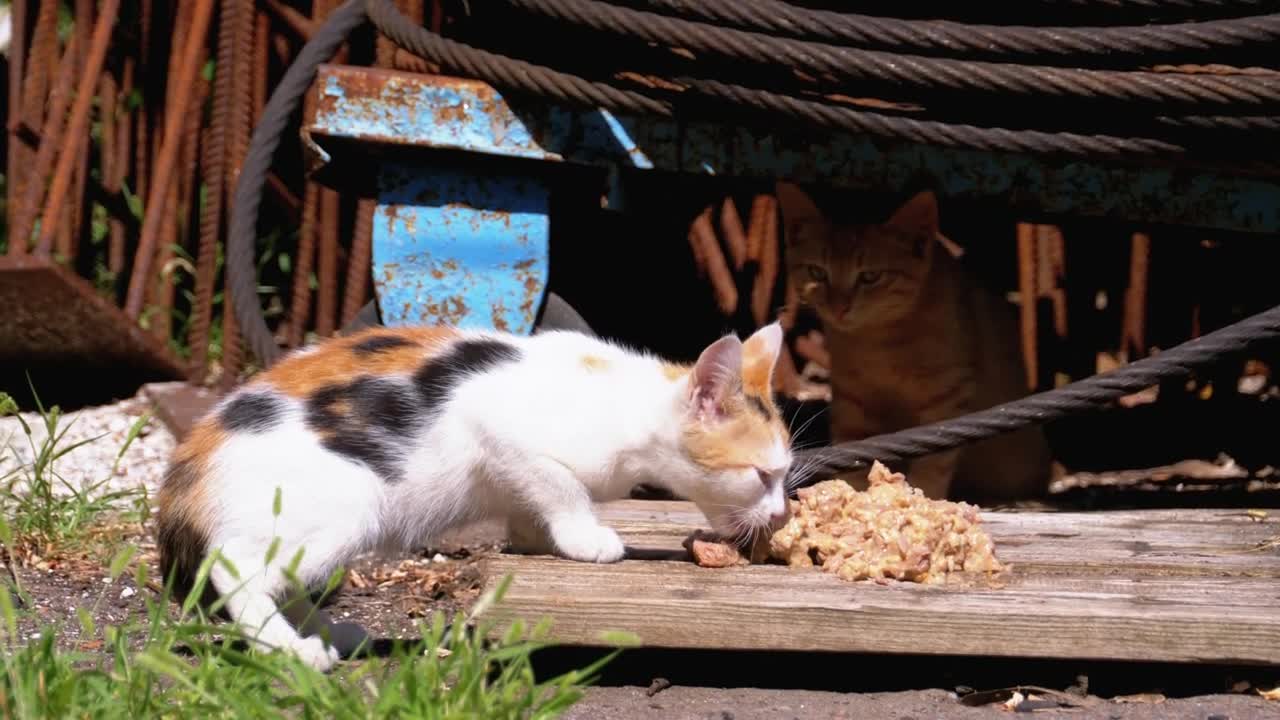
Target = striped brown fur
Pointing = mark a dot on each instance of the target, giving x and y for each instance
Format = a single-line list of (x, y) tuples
[(912, 340)]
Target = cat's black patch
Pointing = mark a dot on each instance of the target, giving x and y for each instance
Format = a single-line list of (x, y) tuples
[(758, 405), (180, 542), (384, 404), (437, 378), (375, 453), (251, 412), (379, 343), (366, 420)]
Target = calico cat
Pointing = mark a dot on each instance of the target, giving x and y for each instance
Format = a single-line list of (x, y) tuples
[(913, 340), (383, 439)]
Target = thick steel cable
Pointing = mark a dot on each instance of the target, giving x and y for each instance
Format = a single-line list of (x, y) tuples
[(970, 80), (1067, 10), (257, 163), (929, 132), (506, 72), (1082, 396), (992, 42), (515, 75)]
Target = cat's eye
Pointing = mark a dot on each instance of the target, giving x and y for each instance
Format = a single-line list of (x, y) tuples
[(816, 273), (870, 277), (764, 476)]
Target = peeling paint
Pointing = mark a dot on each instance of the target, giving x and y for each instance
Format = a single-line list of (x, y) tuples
[(475, 255)]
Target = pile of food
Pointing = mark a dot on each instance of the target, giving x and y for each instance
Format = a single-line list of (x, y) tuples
[(889, 531)]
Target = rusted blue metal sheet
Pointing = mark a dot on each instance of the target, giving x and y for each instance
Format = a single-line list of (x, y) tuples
[(459, 248), (392, 107)]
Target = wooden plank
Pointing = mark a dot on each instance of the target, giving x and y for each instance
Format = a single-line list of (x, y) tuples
[(1195, 586)]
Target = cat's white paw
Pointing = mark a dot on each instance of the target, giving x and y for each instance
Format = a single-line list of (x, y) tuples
[(315, 653), (589, 543)]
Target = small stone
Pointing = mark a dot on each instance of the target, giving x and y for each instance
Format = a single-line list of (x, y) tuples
[(127, 592)]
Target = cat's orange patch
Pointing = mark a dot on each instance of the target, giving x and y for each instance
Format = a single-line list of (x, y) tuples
[(743, 439), (757, 371), (183, 503), (594, 363), (339, 359), (674, 371)]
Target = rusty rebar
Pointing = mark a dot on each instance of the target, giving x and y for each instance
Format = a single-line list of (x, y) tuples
[(46, 154), (240, 114), (109, 95), (734, 236), (69, 231), (42, 59), (767, 275), (327, 263), (18, 151), (145, 79), (116, 252), (1027, 296), (261, 64), (214, 166), (760, 205), (711, 263), (357, 285), (77, 131), (28, 185), (168, 156), (158, 312), (300, 298), (1134, 334)]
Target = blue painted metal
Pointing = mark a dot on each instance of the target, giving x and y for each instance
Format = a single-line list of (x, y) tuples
[(449, 113), (459, 248)]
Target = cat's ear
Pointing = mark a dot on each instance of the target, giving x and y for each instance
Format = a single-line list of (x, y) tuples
[(798, 211), (917, 217), (715, 376), (759, 357)]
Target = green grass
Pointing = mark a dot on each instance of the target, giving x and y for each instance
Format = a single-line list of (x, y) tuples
[(36, 503), (176, 663), (161, 667)]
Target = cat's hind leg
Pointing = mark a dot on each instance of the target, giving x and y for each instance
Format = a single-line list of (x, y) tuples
[(250, 592)]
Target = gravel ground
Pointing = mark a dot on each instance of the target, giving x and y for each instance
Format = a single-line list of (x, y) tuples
[(142, 465)]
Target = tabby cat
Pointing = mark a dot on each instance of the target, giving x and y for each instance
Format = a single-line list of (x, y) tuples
[(913, 340)]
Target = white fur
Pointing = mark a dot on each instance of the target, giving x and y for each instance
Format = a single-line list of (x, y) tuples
[(536, 441)]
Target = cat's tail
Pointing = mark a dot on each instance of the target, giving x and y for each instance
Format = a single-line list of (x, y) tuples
[(183, 516)]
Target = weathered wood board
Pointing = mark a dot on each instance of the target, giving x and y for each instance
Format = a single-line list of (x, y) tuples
[(1155, 585)]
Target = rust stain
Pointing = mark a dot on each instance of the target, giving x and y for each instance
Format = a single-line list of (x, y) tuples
[(450, 113), (497, 316), (449, 311)]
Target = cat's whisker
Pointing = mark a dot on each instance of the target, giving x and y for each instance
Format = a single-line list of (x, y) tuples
[(809, 422)]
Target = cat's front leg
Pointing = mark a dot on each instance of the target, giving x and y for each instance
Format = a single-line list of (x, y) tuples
[(933, 473), (560, 506)]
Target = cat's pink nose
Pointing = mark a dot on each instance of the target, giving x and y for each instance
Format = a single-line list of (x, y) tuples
[(778, 519)]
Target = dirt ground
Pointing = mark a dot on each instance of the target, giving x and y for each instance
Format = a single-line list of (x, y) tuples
[(691, 703)]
